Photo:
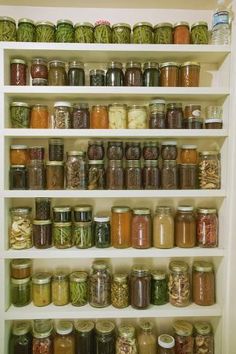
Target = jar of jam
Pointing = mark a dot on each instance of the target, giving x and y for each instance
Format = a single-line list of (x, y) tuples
[(133, 74), (19, 155), (56, 150), (126, 340), (39, 69), (80, 118), (20, 292), (147, 342), (99, 117), (96, 175), (62, 115), (203, 337), (97, 77), (105, 337), (203, 283), (100, 285), (18, 177), (42, 234), (163, 227), (133, 175), (185, 227), (62, 214), (43, 340), (150, 150), (117, 114), (121, 226), (79, 288), (151, 175), (84, 34), (76, 74), (54, 175), (137, 117), (75, 170), (140, 287), (166, 344), (188, 154), (84, 337), (159, 288), (60, 289), (41, 289), (83, 213), (121, 33), (115, 150), (36, 175), (151, 74), (115, 175), (114, 74), (39, 117), (169, 150), (143, 33), (65, 31), (181, 33), (62, 235), (18, 72), (141, 228), (36, 153), (120, 291), (20, 115), (45, 31), (157, 115), (42, 208), (183, 337), (187, 176), (25, 30), (209, 170), (169, 74), (179, 284), (169, 175), (163, 33), (20, 230), (102, 231), (20, 340), (174, 116), (57, 73), (189, 74), (213, 123), (7, 29), (21, 268), (207, 227), (133, 151), (95, 150), (83, 234), (102, 32), (199, 33), (64, 340)]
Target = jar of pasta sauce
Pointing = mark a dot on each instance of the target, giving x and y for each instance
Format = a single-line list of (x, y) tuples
[(203, 338), (207, 227), (181, 33), (18, 72), (99, 117), (141, 228), (39, 69), (179, 284), (183, 333), (185, 227), (140, 287), (121, 226), (43, 341), (169, 74), (203, 283)]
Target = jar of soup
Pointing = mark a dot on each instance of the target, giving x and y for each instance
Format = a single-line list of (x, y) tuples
[(133, 151), (188, 154), (43, 341), (97, 77), (75, 170), (115, 175), (39, 117), (209, 170), (137, 117), (62, 235), (133, 175), (84, 337), (150, 74), (189, 74), (126, 340), (62, 115), (105, 337), (169, 150), (54, 175), (64, 340), (166, 344), (20, 115), (185, 227), (80, 118), (151, 175), (141, 228), (133, 74), (41, 289), (143, 33), (199, 33), (102, 32), (79, 288), (42, 208), (117, 114), (157, 116), (45, 31), (179, 284), (163, 227), (203, 283), (76, 74), (83, 213), (18, 177), (62, 214), (84, 33), (20, 230), (83, 234), (207, 227), (203, 337), (115, 150), (183, 337), (7, 29), (95, 150), (100, 285), (187, 176), (20, 292), (65, 31), (21, 268), (102, 231), (96, 175), (174, 116), (140, 287), (169, 175), (60, 289), (121, 226), (36, 175), (42, 233), (19, 155), (150, 150), (114, 74), (56, 150), (159, 288), (213, 123), (20, 340), (169, 74), (121, 33), (99, 117), (120, 291), (57, 73), (18, 72), (39, 69), (26, 30), (146, 339), (181, 33), (163, 33)]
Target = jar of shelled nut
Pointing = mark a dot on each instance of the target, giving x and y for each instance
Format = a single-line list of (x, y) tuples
[(179, 284), (120, 291), (209, 170)]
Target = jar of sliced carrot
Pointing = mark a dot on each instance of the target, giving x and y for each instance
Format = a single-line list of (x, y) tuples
[(39, 118)]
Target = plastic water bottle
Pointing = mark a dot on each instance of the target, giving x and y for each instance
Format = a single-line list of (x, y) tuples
[(221, 25)]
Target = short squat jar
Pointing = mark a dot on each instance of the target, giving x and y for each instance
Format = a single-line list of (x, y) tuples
[(62, 115), (102, 32), (20, 292), (64, 31), (115, 150), (141, 228), (39, 117), (174, 116), (185, 227), (95, 150), (120, 291), (133, 151), (20, 115), (62, 214), (36, 153), (26, 30), (121, 226), (54, 175), (39, 69), (143, 33), (140, 287), (42, 233), (84, 32), (163, 227), (121, 33), (179, 284), (150, 74), (18, 177), (203, 283), (64, 340), (199, 33), (21, 268), (57, 73), (181, 33), (7, 29), (183, 333), (133, 74), (76, 74), (114, 74), (150, 150), (137, 117), (18, 72), (169, 74), (189, 74), (60, 289), (169, 150), (41, 289), (97, 77), (163, 33), (188, 154), (19, 155), (79, 288), (159, 288), (102, 231), (45, 32), (100, 285), (207, 227), (117, 114)]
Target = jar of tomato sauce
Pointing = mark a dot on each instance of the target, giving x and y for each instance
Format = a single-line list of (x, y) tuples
[(181, 33), (99, 117)]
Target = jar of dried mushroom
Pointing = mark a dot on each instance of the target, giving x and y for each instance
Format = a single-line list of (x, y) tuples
[(83, 234), (84, 337), (96, 175), (166, 344), (141, 228), (56, 150), (133, 151), (41, 289), (174, 116), (151, 175), (209, 170), (203, 338), (54, 175), (115, 175), (79, 288), (20, 231), (115, 150), (169, 150), (20, 292), (62, 115), (36, 174), (137, 117), (121, 226), (187, 176), (185, 227), (207, 227), (126, 340), (80, 118), (120, 291), (62, 234), (163, 227), (99, 117), (159, 288), (42, 208), (21, 268), (57, 73), (75, 170), (157, 115), (95, 150), (203, 283), (64, 339), (60, 289), (183, 333), (133, 175), (189, 74), (117, 114), (42, 233), (105, 337), (169, 74), (181, 33), (163, 33), (140, 287), (100, 285), (18, 177), (179, 284), (102, 231), (133, 74), (169, 175), (147, 342)]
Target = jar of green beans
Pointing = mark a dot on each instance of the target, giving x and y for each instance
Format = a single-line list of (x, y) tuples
[(7, 29), (84, 32), (159, 288), (100, 285), (121, 33), (60, 289), (26, 30), (199, 33), (162, 33), (79, 288), (102, 231), (83, 235), (102, 32), (142, 33), (65, 31), (45, 32), (20, 115), (62, 234)]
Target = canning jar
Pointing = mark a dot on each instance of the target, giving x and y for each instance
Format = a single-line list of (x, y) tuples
[(209, 170), (36, 153), (75, 170), (159, 288), (150, 150), (179, 284), (20, 115), (187, 176), (83, 32), (80, 117), (99, 117), (114, 74), (21, 268), (36, 175), (192, 111), (185, 227), (41, 289), (60, 289), (7, 29), (76, 74), (62, 214), (84, 337), (126, 340), (169, 150), (162, 33), (95, 150), (102, 231), (20, 292), (120, 291), (183, 332), (83, 213), (199, 33), (121, 226), (62, 235), (140, 287), (117, 115), (79, 288), (20, 231), (169, 175), (214, 112), (115, 150), (20, 340), (157, 116), (181, 33), (203, 283), (105, 337), (147, 342), (207, 227), (97, 77), (188, 154), (193, 123), (102, 32), (39, 117), (45, 31), (62, 115), (141, 228), (56, 150), (57, 73), (151, 74), (132, 151), (133, 74), (133, 174), (19, 155), (83, 234), (64, 340), (42, 208), (151, 175), (42, 233), (26, 30), (96, 175), (203, 338), (143, 33), (39, 82), (65, 31), (174, 116), (100, 285), (54, 175), (137, 117), (169, 74), (163, 227), (189, 74), (18, 72), (213, 123), (121, 33), (18, 177), (39, 69), (115, 175), (166, 344), (43, 341)]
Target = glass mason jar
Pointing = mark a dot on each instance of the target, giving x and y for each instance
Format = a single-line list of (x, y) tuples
[(209, 170), (141, 228), (105, 337), (36, 153), (21, 268), (137, 117), (76, 74), (80, 118), (41, 289), (189, 74), (75, 170), (43, 341), (65, 31), (166, 344), (83, 213), (95, 150), (62, 235), (42, 208), (18, 72), (157, 115), (187, 176), (79, 288), (60, 289), (203, 338), (114, 74), (121, 226), (26, 30), (57, 73), (181, 33), (126, 340), (84, 337), (121, 33), (203, 283), (39, 117), (151, 74), (183, 333), (39, 68), (188, 154), (20, 230), (179, 284), (146, 339), (102, 231), (174, 116), (163, 33), (20, 292), (163, 227), (62, 214), (42, 233), (140, 287), (159, 288), (143, 33), (54, 175), (185, 227), (133, 151), (7, 29), (207, 227), (115, 175), (115, 150), (169, 175), (84, 32), (19, 154), (214, 112), (18, 177), (62, 115), (151, 150), (151, 175), (45, 31), (83, 234), (96, 175), (64, 340), (199, 33), (100, 285), (102, 32), (120, 290), (133, 74), (133, 175), (117, 114), (20, 340), (20, 115), (169, 74), (56, 150), (169, 150), (99, 117), (97, 77)]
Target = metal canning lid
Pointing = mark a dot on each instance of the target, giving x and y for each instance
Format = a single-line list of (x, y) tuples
[(202, 327), (105, 327), (41, 278), (185, 208), (206, 153), (60, 276), (96, 162), (78, 276), (202, 266), (41, 335), (82, 223), (102, 218), (42, 326), (55, 61), (115, 64), (20, 104), (213, 120), (18, 147), (97, 71), (121, 25), (187, 63), (199, 23), (25, 20), (99, 106), (120, 209), (21, 209), (76, 153), (83, 24), (181, 23), (21, 263), (20, 328), (62, 104), (20, 281), (62, 209), (7, 18), (140, 269), (45, 23), (62, 224), (119, 105), (18, 61), (39, 81), (42, 222), (76, 64), (167, 143), (206, 210), (158, 101), (178, 266), (120, 277), (82, 105), (133, 64), (83, 207), (138, 24), (163, 24), (62, 21), (95, 142), (169, 63), (158, 274), (39, 61), (183, 328), (84, 326), (64, 327), (189, 147), (150, 64), (99, 265), (146, 326), (54, 163), (126, 331), (166, 341)]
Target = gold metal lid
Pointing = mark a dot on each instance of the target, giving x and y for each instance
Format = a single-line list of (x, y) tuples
[(139, 24), (202, 266), (141, 211), (202, 327), (84, 326), (199, 23), (121, 24), (178, 266), (41, 278), (207, 210), (83, 24), (120, 277), (158, 274), (120, 209), (78, 276), (181, 23), (126, 331), (183, 328), (21, 263), (84, 207), (163, 24), (104, 327), (21, 327)]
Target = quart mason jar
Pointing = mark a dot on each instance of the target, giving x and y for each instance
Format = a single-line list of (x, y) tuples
[(120, 291), (179, 284), (147, 342), (133, 175), (115, 175), (207, 227), (20, 230), (20, 340), (36, 175), (203, 338), (96, 175), (185, 227), (163, 227), (105, 337), (64, 340), (203, 283), (209, 170), (121, 226), (140, 287), (100, 285), (84, 337), (41, 289), (126, 340), (141, 228), (76, 170), (159, 288)]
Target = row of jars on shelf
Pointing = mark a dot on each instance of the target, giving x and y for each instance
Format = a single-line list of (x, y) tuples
[(102, 337), (158, 115), (102, 32), (100, 289)]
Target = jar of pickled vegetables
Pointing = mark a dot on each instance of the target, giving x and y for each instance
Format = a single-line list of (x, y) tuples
[(7, 29), (114, 74), (96, 175), (140, 287), (163, 33), (163, 227), (100, 285), (65, 31), (45, 31), (126, 341), (157, 116), (19, 155), (26, 30), (147, 342), (151, 74), (137, 117), (115, 150), (120, 291), (42, 234), (54, 175), (39, 69), (64, 340), (185, 227), (83, 213), (115, 175), (169, 175), (80, 116), (41, 289), (79, 288), (75, 170), (57, 73), (189, 74), (102, 231), (183, 333), (62, 235), (105, 337), (181, 33), (20, 292), (203, 337), (166, 344), (39, 117), (151, 175), (83, 32), (20, 340), (121, 226), (203, 283), (133, 175), (99, 117), (18, 177), (159, 288), (169, 74), (56, 150), (179, 284), (102, 32), (199, 33), (117, 115), (97, 77), (20, 231), (143, 33), (207, 227), (84, 337), (76, 74), (20, 115), (83, 234), (209, 170), (21, 268), (62, 115), (121, 33), (95, 150), (141, 228), (133, 74), (60, 289)]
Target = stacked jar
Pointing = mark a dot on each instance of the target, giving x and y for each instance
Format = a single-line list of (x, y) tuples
[(115, 171), (62, 227), (36, 168), (96, 169), (133, 170), (151, 172), (19, 157), (169, 172), (83, 227), (157, 114), (188, 167), (20, 282), (192, 117), (39, 72), (42, 224), (214, 117), (55, 165)]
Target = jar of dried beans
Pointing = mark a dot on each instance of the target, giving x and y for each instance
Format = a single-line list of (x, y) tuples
[(209, 170), (159, 288), (203, 283), (141, 228), (18, 72), (100, 285), (169, 74), (163, 227), (189, 74), (126, 341), (179, 284), (174, 116), (140, 287), (184, 342), (169, 175), (115, 175), (55, 175), (203, 338), (151, 175), (80, 116), (121, 226), (20, 231), (99, 117), (207, 227), (181, 33), (62, 115), (185, 227), (39, 117), (96, 175), (133, 174), (75, 170), (120, 291)]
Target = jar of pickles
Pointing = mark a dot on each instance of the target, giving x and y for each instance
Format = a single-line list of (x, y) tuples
[(7, 29), (117, 114), (83, 32), (105, 337), (60, 289), (174, 116), (169, 74), (54, 175), (39, 117), (120, 291), (183, 337), (102, 231), (163, 227), (121, 33), (18, 177), (21, 268), (133, 175), (97, 77), (141, 228), (100, 285), (62, 115), (76, 74), (150, 74), (45, 31), (207, 227), (115, 175), (143, 33), (18, 72), (133, 74), (64, 340), (203, 283), (20, 340), (199, 33), (83, 234), (41, 289), (179, 284), (102, 32), (121, 226), (169, 175), (62, 235), (181, 33), (56, 150), (137, 117), (79, 288), (75, 170), (20, 231), (20, 292), (114, 74), (57, 73), (189, 74), (96, 175), (84, 337), (163, 33), (126, 341), (157, 116), (159, 288), (26, 30), (95, 150), (80, 118), (203, 337), (99, 117), (140, 287), (185, 227), (20, 115), (42, 233), (151, 175), (209, 170)]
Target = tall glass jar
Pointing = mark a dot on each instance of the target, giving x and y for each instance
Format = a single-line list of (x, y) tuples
[(151, 175), (26, 30), (76, 170), (184, 341), (21, 338), (157, 116), (133, 74), (121, 226), (84, 32), (100, 285), (57, 73), (96, 175), (159, 288), (43, 341), (62, 115), (151, 74), (133, 175), (203, 338), (18, 177), (185, 227), (7, 29), (20, 230), (56, 150), (79, 288), (62, 235), (147, 343), (76, 74), (41, 289), (54, 175), (209, 170), (141, 228), (64, 340), (60, 289), (126, 341), (174, 116), (20, 292), (18, 72), (115, 175), (99, 117), (36, 174), (80, 118), (120, 291), (42, 208), (117, 114), (207, 227), (203, 283), (179, 284), (84, 337), (169, 74), (114, 74), (42, 234), (163, 227), (140, 287), (20, 115), (143, 33), (169, 175), (163, 33), (121, 33), (102, 231), (105, 337)]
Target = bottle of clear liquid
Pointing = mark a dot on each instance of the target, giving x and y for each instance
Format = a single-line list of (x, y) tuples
[(221, 25)]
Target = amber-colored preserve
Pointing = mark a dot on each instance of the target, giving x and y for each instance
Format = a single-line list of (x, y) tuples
[(121, 227)]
